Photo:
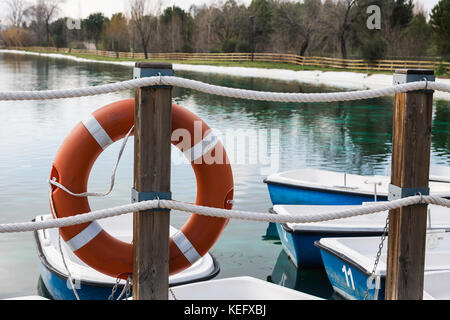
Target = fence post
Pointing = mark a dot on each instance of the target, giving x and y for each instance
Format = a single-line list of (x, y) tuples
[(252, 37), (410, 176), (152, 159)]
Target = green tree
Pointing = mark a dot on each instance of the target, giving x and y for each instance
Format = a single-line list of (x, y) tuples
[(416, 37), (229, 46), (243, 47), (440, 23), (58, 31), (396, 18), (263, 11), (94, 25), (179, 25), (374, 48), (402, 13)]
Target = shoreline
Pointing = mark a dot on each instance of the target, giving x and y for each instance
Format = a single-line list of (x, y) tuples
[(336, 79)]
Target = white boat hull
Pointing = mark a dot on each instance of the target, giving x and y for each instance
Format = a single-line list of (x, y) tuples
[(89, 283)]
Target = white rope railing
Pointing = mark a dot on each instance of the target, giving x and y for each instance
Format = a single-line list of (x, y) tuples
[(221, 213), (222, 91), (228, 92), (207, 211)]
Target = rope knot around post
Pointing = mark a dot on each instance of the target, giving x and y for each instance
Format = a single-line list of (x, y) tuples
[(151, 69)]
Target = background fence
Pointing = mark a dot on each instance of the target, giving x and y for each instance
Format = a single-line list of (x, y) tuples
[(322, 62)]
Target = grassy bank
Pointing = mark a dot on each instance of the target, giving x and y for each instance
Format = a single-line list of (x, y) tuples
[(243, 64)]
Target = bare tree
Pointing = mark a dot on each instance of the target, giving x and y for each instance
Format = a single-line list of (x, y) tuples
[(141, 18), (15, 12), (172, 23), (232, 22), (203, 29), (346, 24), (42, 13), (339, 18), (296, 26), (117, 33), (220, 22)]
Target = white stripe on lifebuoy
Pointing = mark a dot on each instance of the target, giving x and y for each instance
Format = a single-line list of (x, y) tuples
[(202, 148), (98, 133), (85, 236), (186, 247)]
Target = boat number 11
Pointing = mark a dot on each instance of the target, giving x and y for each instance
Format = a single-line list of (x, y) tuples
[(348, 277)]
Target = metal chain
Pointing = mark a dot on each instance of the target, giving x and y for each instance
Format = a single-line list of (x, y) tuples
[(114, 289), (124, 289), (377, 260)]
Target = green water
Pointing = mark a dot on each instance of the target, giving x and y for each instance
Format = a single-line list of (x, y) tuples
[(353, 136)]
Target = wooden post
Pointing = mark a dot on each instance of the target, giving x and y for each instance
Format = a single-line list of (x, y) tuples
[(410, 175), (152, 159)]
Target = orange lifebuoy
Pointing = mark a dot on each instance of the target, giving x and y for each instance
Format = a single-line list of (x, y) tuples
[(73, 164)]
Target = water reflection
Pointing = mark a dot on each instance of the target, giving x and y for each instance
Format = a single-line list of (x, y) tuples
[(344, 136), (350, 136), (312, 281), (42, 289), (440, 131)]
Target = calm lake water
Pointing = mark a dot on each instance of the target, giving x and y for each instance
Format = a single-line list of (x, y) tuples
[(353, 136)]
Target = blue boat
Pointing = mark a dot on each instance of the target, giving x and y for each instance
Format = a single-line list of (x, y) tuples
[(328, 188), (349, 263), (93, 285), (298, 239), (320, 187)]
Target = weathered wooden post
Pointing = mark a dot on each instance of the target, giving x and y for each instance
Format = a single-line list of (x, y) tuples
[(152, 157), (410, 176)]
